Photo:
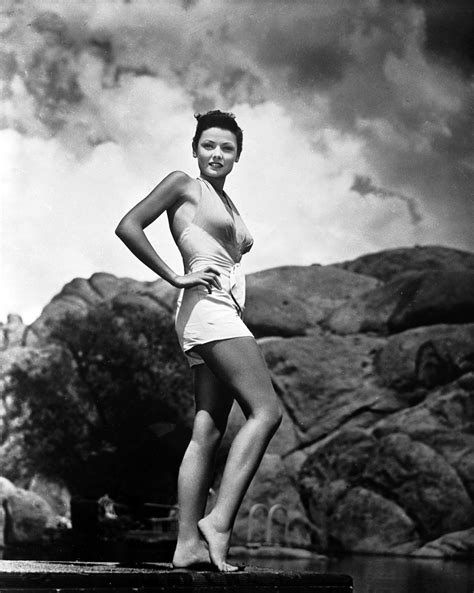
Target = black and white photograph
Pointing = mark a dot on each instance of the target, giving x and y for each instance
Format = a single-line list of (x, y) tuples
[(237, 296)]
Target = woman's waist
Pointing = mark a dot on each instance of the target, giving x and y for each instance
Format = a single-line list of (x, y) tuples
[(225, 267), (231, 278)]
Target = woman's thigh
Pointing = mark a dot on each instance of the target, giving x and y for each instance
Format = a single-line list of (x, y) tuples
[(238, 362), (213, 398)]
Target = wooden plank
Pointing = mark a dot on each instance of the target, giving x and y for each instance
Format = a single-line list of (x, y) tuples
[(211, 589), (94, 577)]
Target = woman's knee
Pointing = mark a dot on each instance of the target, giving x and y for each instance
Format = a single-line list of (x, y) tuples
[(276, 416), (270, 416), (206, 432)]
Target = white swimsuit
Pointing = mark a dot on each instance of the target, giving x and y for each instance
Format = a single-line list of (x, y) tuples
[(216, 236)]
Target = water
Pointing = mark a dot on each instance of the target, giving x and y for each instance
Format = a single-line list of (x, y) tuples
[(387, 574)]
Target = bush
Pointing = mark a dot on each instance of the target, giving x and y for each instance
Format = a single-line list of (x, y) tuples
[(88, 405)]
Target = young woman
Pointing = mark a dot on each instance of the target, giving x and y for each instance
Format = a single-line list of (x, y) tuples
[(222, 352)]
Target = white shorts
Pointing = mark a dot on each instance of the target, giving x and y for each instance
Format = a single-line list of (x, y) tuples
[(204, 316)]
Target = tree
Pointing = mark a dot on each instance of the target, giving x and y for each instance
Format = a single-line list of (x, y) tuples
[(93, 405)]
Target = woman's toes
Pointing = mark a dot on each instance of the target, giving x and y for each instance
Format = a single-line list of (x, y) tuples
[(226, 567), (218, 543)]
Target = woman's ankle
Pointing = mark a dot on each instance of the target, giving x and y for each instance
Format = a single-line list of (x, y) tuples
[(217, 522), (189, 540)]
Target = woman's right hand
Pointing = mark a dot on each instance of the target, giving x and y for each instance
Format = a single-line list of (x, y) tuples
[(208, 277)]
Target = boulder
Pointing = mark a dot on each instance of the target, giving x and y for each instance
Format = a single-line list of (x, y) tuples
[(27, 517), (290, 300), (410, 300), (349, 515), (387, 264), (459, 544), (79, 295), (444, 421), (422, 482), (324, 382), (54, 492), (389, 492), (427, 356), (364, 521), (274, 313), (7, 489)]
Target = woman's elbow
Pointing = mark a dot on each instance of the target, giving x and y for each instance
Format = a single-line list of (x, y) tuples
[(120, 230), (125, 228)]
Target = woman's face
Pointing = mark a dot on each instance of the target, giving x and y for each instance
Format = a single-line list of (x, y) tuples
[(216, 152)]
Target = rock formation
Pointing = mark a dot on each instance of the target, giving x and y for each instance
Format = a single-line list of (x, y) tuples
[(25, 516), (373, 361), (79, 295), (385, 265), (377, 382), (12, 332)]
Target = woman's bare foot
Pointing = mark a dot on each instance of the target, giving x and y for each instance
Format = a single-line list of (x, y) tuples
[(191, 554), (218, 543)]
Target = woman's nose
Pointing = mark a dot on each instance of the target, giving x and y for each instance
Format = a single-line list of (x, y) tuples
[(217, 154)]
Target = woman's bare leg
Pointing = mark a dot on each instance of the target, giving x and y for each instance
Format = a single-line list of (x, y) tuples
[(213, 404), (239, 363)]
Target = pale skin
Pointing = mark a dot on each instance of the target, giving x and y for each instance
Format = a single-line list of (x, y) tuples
[(234, 369)]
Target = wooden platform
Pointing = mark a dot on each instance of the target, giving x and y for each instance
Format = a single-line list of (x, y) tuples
[(81, 577)]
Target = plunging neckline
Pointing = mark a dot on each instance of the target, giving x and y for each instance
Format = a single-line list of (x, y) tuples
[(224, 199)]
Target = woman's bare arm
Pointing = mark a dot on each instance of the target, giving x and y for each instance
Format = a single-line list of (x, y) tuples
[(131, 231), (130, 228)]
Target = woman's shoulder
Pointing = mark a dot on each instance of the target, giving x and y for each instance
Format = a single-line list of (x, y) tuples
[(178, 176), (181, 181)]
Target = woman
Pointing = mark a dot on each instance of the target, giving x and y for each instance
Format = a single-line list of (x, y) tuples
[(220, 349)]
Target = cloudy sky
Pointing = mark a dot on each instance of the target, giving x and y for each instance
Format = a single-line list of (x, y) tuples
[(357, 118)]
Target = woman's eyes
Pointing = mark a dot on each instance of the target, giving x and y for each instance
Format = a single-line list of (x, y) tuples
[(225, 148)]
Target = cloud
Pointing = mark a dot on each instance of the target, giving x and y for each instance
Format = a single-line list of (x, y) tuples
[(336, 99), (364, 186), (449, 32)]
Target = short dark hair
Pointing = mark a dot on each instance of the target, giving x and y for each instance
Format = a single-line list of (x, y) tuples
[(217, 119)]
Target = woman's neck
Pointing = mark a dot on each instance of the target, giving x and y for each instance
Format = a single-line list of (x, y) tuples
[(217, 184)]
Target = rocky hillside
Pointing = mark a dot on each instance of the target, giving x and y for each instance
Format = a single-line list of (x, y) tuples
[(373, 361), (387, 264)]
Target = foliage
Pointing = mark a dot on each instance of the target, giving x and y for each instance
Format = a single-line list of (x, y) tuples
[(44, 416), (96, 389)]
